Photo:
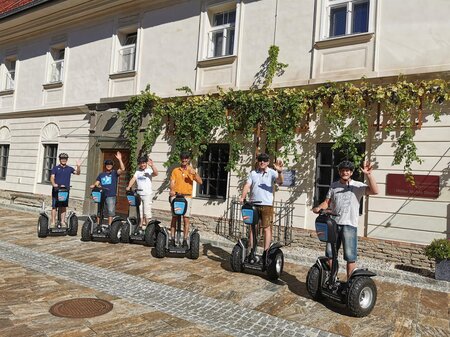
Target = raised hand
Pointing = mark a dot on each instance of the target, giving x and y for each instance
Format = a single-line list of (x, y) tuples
[(367, 168), (150, 162), (278, 165), (78, 162), (118, 155)]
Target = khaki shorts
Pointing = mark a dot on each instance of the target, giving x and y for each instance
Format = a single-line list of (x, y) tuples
[(266, 216)]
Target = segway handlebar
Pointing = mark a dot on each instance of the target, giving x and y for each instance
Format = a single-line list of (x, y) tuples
[(328, 212)]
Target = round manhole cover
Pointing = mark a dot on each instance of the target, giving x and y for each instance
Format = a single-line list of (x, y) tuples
[(81, 308)]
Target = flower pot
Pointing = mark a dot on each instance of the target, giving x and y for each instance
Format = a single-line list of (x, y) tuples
[(442, 270)]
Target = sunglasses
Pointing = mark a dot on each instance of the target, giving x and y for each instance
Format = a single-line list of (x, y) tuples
[(263, 161)]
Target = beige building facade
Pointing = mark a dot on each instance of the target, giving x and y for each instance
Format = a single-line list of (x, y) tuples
[(68, 67)]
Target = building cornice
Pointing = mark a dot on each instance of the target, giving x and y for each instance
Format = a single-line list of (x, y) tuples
[(72, 110), (61, 14)]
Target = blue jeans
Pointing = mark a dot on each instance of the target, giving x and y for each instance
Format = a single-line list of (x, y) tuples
[(348, 236), (110, 204)]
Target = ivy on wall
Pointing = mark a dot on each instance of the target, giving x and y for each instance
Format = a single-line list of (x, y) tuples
[(347, 110)]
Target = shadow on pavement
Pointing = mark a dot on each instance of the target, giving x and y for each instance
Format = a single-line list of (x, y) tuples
[(220, 255)]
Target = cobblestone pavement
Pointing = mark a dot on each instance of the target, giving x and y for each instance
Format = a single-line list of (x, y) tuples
[(182, 297)]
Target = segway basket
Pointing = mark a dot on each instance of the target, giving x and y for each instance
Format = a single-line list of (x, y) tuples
[(249, 214), (133, 199), (63, 195), (326, 229), (96, 196), (179, 206)]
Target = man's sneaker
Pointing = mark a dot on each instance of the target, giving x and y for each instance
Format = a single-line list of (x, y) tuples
[(172, 242), (185, 245)]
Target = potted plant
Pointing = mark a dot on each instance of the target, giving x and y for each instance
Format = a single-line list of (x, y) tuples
[(439, 250)]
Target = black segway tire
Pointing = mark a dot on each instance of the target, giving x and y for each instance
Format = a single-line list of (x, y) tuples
[(236, 259), (276, 264), (160, 245), (86, 231), (115, 232), (194, 252), (73, 226), (362, 296), (42, 227), (313, 283), (125, 235), (150, 235)]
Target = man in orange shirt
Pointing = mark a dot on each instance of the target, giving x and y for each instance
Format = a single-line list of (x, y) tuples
[(181, 182)]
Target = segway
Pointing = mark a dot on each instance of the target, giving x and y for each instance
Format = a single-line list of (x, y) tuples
[(163, 244), (131, 231), (94, 230), (359, 293), (71, 227), (271, 262)]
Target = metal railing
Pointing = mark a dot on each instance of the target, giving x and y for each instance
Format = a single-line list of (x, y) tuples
[(232, 227)]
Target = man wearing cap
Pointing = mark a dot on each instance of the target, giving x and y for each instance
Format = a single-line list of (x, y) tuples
[(60, 177), (182, 182), (261, 184), (344, 198), (108, 181), (143, 178)]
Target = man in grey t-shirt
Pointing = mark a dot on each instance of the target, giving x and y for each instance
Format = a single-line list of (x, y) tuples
[(344, 197)]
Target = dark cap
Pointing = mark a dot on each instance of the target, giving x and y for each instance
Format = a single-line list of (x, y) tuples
[(109, 162), (185, 155), (63, 156), (346, 164), (143, 159), (263, 157)]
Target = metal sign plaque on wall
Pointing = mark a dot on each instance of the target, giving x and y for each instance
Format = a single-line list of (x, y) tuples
[(288, 178), (426, 186)]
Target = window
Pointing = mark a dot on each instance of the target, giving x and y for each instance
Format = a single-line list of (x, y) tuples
[(221, 35), (211, 167), (327, 172), (50, 152), (127, 52), (10, 74), (347, 17), (57, 65), (4, 154)]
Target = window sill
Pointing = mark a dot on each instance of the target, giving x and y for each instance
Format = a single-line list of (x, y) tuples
[(123, 74), (345, 40), (52, 85), (216, 61), (6, 92)]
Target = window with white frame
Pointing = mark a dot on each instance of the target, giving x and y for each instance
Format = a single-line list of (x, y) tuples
[(50, 152), (10, 74), (127, 51), (56, 73), (347, 17), (221, 36), (4, 154)]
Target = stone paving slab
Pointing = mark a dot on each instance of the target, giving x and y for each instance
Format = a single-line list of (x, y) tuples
[(217, 315), (401, 309)]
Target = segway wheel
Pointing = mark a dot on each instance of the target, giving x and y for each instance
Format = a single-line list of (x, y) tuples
[(116, 232), (86, 231), (194, 253), (73, 226), (276, 264), (362, 296), (125, 234), (313, 284), (160, 245), (42, 227), (150, 234), (236, 259)]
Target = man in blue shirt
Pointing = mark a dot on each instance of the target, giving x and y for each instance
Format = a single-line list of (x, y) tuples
[(108, 181), (60, 177), (261, 182)]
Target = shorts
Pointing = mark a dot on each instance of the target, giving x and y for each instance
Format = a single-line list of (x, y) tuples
[(110, 204), (145, 209), (188, 206), (266, 216), (348, 236), (55, 199)]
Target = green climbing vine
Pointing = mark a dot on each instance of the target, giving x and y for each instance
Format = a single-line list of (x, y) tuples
[(347, 110)]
